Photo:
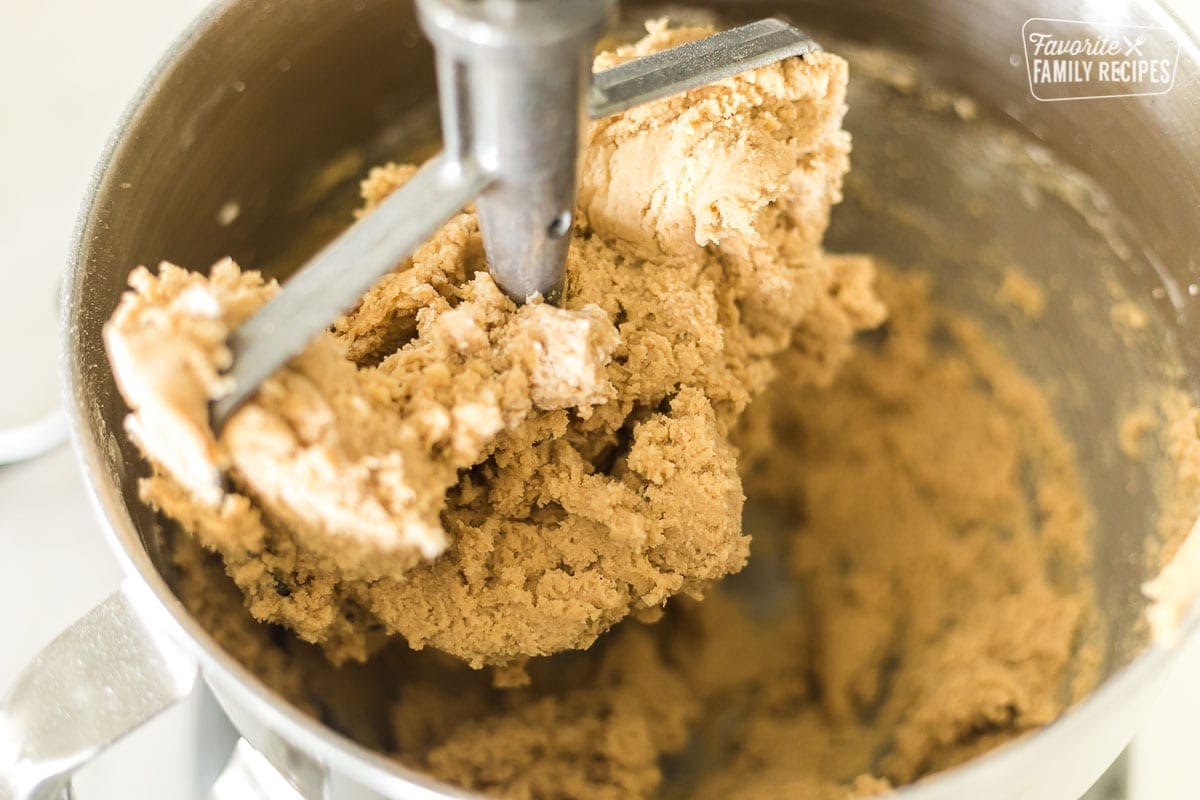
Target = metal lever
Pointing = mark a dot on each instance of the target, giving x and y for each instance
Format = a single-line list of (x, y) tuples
[(515, 85), (106, 675), (342, 273), (694, 64)]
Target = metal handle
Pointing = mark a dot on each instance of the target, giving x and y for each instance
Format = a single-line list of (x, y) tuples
[(687, 66), (250, 776), (343, 272), (104, 676)]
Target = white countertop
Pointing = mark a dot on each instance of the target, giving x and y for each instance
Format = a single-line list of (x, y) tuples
[(67, 68)]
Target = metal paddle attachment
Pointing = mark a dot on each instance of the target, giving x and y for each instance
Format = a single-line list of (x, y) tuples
[(515, 86)]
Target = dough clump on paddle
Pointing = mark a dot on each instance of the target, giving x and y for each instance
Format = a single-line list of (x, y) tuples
[(502, 481)]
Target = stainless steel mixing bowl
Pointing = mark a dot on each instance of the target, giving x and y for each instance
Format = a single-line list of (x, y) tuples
[(248, 138)]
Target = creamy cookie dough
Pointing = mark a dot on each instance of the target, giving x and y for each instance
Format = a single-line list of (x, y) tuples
[(900, 613), (923, 608), (501, 482)]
